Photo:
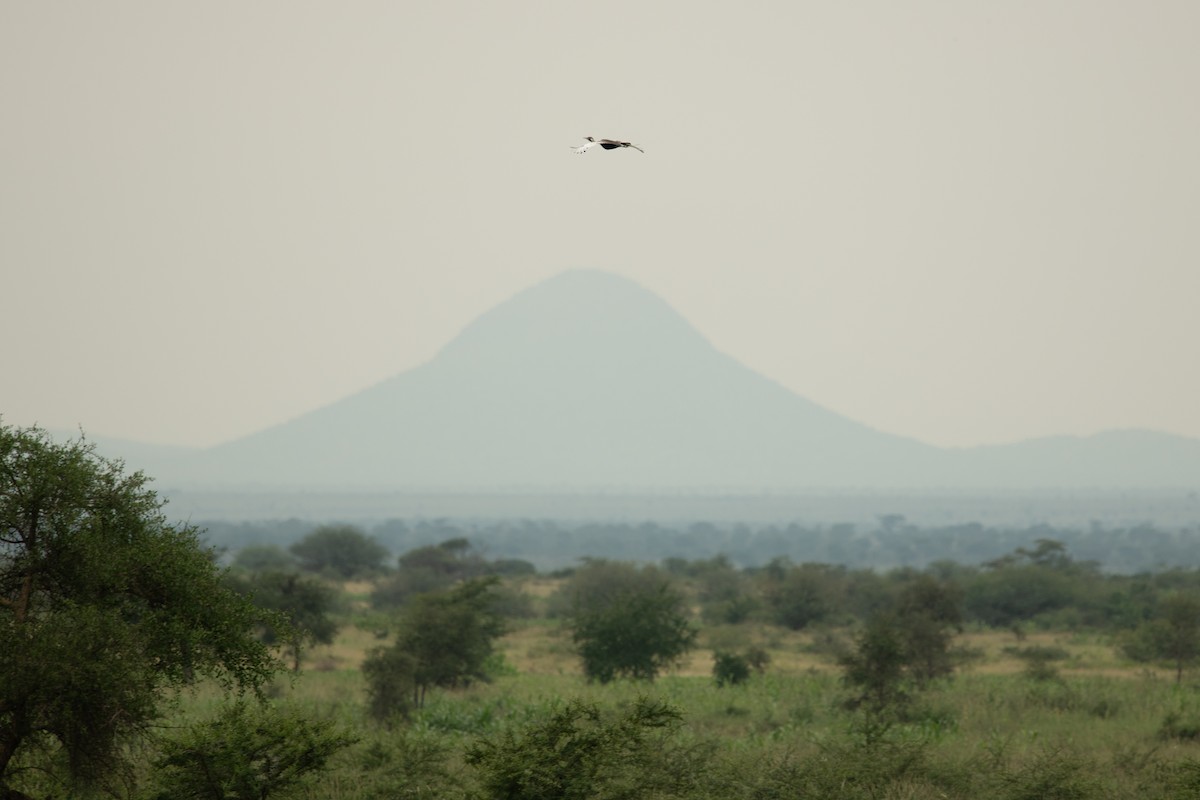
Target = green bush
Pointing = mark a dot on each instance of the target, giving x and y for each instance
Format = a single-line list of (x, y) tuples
[(636, 635), (246, 753), (730, 669), (581, 752)]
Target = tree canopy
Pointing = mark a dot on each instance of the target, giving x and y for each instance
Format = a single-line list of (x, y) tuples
[(445, 639), (103, 606), (638, 634), (343, 551)]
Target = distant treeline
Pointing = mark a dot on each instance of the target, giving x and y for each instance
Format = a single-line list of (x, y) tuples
[(892, 542)]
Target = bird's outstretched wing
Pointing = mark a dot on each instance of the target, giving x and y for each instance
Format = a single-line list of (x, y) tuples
[(613, 144), (607, 144)]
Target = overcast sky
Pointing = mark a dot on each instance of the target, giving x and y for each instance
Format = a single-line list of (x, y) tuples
[(962, 222)]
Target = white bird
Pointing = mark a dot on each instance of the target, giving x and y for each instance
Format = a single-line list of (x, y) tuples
[(607, 144)]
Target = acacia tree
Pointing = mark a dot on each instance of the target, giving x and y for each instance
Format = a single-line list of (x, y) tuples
[(1172, 636), (580, 751), (104, 606), (929, 613), (304, 602), (636, 635), (246, 752), (340, 550), (444, 639), (875, 673)]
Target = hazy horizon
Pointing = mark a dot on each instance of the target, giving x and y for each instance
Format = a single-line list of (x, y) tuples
[(963, 225)]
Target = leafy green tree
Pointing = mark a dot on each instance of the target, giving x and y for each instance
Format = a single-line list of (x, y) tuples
[(730, 669), (876, 675), (580, 752), (340, 550), (246, 753), (104, 607), (391, 677), (636, 635), (444, 640), (901, 650), (799, 596), (929, 614), (303, 602), (428, 569), (1028, 583), (403, 585), (264, 558), (726, 594), (599, 581), (1172, 636), (453, 558)]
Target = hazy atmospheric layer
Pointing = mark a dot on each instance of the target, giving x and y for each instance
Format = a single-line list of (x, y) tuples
[(589, 382), (957, 222)]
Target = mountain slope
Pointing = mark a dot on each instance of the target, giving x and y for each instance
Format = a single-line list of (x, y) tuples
[(588, 381)]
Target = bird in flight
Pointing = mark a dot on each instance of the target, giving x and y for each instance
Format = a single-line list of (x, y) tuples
[(607, 144)]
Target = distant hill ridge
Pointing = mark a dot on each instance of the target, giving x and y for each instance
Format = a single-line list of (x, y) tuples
[(588, 381)]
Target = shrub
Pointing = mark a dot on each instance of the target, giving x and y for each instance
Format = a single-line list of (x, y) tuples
[(340, 550), (581, 752), (637, 635), (730, 669), (246, 753), (445, 639)]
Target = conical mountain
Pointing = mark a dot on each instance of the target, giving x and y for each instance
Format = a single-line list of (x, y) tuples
[(586, 380), (589, 382)]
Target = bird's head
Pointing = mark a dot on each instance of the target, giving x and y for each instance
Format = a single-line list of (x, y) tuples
[(589, 138)]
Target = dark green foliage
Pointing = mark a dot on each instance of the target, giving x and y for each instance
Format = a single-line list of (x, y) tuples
[(637, 634), (444, 639), (103, 606), (391, 678), (405, 765), (1027, 584), (1052, 774), (1039, 661), (304, 602), (341, 551), (434, 567), (901, 650), (847, 769), (580, 752), (598, 582), (406, 583), (928, 615), (453, 558), (510, 602), (799, 596), (875, 672), (1180, 781), (1180, 727), (1172, 636), (726, 594), (758, 658), (247, 752), (730, 669), (264, 558)]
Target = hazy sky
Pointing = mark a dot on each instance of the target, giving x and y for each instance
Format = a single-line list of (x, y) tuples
[(962, 222)]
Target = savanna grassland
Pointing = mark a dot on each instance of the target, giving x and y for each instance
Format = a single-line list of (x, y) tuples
[(1084, 722), (134, 665)]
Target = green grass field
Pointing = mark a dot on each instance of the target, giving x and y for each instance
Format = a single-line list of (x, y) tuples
[(1101, 727)]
